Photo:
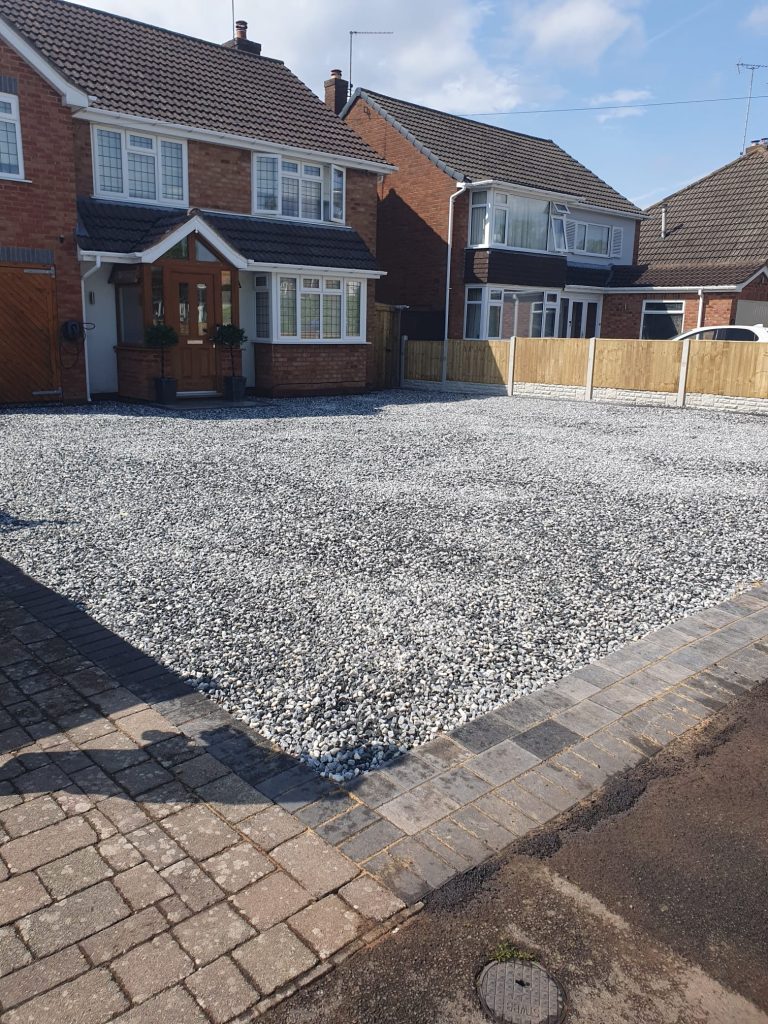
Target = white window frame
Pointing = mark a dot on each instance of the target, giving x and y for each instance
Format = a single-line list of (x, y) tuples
[(490, 297), (325, 179), (13, 118), (324, 278), (125, 149), (662, 312), (588, 252)]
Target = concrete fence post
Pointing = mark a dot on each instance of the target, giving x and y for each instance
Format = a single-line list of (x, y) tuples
[(403, 343), (511, 367), (681, 384), (590, 370)]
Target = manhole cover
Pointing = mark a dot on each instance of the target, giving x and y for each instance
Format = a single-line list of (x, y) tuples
[(520, 992)]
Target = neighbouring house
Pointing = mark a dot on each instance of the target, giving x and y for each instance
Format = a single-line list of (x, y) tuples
[(146, 175), (531, 235), (702, 256)]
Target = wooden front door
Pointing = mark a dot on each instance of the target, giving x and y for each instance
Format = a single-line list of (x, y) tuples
[(192, 308), (29, 365)]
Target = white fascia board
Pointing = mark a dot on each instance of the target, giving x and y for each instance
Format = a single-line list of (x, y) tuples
[(70, 94), (295, 268), (181, 131), (539, 193), (639, 290)]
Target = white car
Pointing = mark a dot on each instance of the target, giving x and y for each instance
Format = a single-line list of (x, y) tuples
[(727, 332)]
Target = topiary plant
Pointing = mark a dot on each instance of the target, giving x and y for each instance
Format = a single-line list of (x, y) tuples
[(161, 336), (230, 336)]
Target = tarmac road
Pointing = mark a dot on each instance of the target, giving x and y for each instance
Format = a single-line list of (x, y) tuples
[(650, 903)]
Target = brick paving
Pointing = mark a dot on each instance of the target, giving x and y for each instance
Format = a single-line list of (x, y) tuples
[(161, 861)]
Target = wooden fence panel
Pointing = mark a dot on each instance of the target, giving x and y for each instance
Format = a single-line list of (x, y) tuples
[(560, 361), (422, 360), (478, 362), (637, 365), (736, 368)]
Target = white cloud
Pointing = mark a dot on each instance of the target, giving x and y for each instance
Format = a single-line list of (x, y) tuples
[(621, 96), (578, 31), (758, 18), (432, 58)]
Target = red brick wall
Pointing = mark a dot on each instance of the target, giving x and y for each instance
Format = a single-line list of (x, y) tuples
[(413, 217), (83, 158), (219, 177), (622, 314), (310, 369), (41, 213)]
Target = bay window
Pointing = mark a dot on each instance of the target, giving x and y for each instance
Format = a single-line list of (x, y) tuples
[(11, 163), (321, 309), (474, 311), (298, 189), (528, 223), (134, 165)]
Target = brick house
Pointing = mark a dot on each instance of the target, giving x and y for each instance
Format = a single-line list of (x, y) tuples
[(702, 256), (148, 175), (531, 236)]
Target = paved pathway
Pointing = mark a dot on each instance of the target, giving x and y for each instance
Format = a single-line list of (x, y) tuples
[(161, 861)]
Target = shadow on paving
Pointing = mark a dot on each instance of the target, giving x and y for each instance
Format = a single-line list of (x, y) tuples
[(372, 403), (62, 672)]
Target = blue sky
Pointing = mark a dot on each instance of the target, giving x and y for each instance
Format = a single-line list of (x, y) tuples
[(483, 57)]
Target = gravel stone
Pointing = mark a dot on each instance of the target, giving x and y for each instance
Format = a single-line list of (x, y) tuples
[(354, 575)]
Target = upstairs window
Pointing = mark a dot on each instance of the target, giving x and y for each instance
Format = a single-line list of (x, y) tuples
[(293, 188), (592, 239), (145, 168), (11, 162)]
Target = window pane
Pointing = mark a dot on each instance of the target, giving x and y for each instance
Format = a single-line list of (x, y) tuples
[(202, 309), (528, 223), (581, 236), (597, 239), (158, 296), (312, 200), (109, 161), (332, 284), (479, 198), (180, 251), (311, 282), (203, 253), (477, 226), (172, 170), (354, 292), (140, 142), (474, 294), (500, 226), (290, 197), (312, 172), (494, 321), (141, 176), (183, 309), (661, 325), (332, 316), (226, 297), (9, 148), (288, 307), (262, 314), (310, 315), (337, 194), (290, 167), (472, 329), (266, 183), (558, 234), (5, 107)]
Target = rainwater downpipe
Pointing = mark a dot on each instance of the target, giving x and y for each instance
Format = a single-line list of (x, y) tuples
[(92, 270), (700, 317), (461, 188)]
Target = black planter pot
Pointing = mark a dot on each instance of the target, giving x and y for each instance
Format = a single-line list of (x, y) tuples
[(165, 390), (234, 389)]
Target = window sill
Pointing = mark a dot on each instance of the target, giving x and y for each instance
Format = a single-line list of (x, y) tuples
[(14, 178), (161, 204)]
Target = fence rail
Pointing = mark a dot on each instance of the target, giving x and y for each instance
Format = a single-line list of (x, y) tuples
[(666, 372)]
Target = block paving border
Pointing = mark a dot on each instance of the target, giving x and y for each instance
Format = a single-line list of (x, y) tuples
[(161, 860)]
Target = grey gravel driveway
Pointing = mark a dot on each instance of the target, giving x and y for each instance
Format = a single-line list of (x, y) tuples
[(353, 575)]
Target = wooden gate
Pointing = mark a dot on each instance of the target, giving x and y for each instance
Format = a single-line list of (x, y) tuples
[(384, 355), (29, 364)]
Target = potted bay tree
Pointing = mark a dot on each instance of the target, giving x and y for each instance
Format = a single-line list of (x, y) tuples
[(232, 337), (162, 336)]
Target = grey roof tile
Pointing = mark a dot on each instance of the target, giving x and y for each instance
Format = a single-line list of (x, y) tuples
[(717, 230), (151, 72), (478, 151), (127, 228)]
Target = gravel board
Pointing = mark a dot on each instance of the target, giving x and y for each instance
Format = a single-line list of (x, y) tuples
[(352, 575)]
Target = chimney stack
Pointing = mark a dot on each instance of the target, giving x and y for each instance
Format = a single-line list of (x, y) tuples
[(241, 40), (336, 91)]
